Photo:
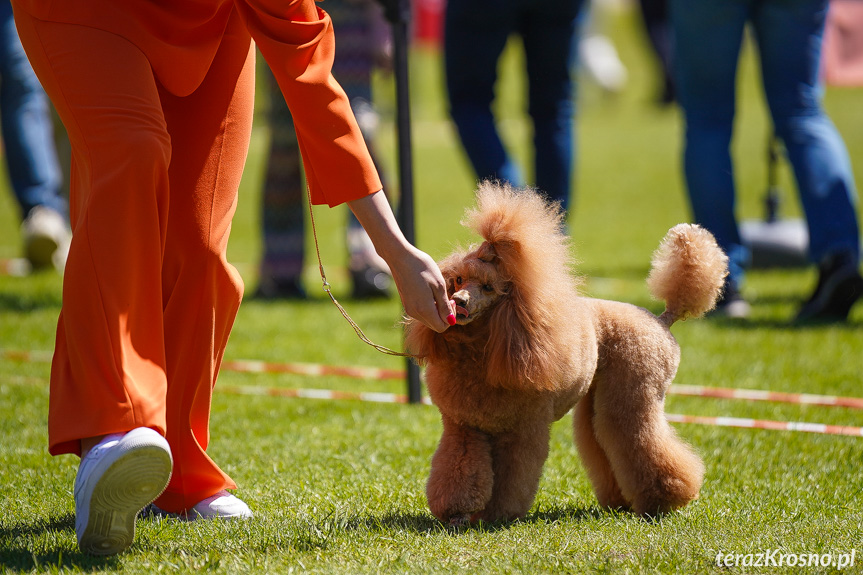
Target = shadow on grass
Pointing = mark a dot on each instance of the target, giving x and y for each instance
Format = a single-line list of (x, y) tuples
[(15, 556), (778, 299), (425, 523), (784, 325), (39, 545)]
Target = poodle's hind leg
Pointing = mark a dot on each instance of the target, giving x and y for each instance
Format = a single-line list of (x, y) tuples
[(460, 482), (656, 471), (593, 457), (518, 457)]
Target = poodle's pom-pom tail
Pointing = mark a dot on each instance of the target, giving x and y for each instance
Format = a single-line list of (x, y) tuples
[(688, 272)]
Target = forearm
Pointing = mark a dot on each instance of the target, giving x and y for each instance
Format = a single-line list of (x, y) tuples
[(377, 218), (421, 286)]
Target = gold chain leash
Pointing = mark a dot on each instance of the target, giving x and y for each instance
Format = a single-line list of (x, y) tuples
[(328, 289)]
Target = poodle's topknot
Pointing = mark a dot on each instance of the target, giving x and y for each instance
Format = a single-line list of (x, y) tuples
[(525, 232), (529, 229)]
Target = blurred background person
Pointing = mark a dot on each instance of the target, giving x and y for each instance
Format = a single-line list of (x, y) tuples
[(843, 43), (362, 44), (31, 156), (708, 36), (475, 34), (657, 26)]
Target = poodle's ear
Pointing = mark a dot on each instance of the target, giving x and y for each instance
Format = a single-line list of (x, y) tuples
[(507, 253), (486, 252), (421, 341), (517, 355)]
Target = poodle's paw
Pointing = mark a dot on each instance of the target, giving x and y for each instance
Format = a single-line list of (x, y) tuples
[(458, 521)]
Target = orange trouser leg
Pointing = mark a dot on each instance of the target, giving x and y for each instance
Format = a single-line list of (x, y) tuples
[(108, 373), (201, 290), (148, 297)]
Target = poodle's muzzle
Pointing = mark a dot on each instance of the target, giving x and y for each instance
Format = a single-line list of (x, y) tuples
[(472, 300)]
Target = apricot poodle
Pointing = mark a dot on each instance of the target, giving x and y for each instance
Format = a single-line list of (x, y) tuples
[(527, 348)]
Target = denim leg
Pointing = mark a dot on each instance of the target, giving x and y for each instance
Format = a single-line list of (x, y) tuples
[(28, 133), (476, 32), (549, 32), (708, 35), (789, 37)]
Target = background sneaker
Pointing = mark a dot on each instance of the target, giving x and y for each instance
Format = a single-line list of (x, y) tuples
[(840, 285), (46, 238), (731, 304), (370, 275), (271, 288), (116, 479)]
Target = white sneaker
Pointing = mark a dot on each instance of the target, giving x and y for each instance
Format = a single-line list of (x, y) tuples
[(600, 60), (46, 238), (222, 505), (116, 479)]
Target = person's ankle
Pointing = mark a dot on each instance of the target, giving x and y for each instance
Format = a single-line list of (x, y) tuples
[(88, 443)]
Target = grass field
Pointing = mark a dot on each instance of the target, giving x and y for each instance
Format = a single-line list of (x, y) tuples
[(338, 486)]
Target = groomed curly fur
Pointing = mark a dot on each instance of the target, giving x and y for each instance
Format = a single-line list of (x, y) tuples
[(527, 348), (516, 225), (688, 270)]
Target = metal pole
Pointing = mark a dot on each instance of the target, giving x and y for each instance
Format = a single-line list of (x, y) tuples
[(398, 14)]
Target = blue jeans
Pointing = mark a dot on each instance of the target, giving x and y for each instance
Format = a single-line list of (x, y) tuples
[(476, 32), (708, 36), (28, 131)]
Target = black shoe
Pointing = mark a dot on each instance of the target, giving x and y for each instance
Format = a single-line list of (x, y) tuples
[(731, 304), (370, 283), (271, 288), (839, 286)]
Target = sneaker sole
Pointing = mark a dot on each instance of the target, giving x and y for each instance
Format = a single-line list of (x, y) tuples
[(131, 482)]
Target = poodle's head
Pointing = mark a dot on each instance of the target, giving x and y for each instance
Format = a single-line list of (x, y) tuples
[(508, 290), (474, 283)]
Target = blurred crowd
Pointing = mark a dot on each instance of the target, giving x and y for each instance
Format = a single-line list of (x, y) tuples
[(564, 42)]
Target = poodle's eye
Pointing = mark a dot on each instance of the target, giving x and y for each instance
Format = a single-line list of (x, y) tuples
[(458, 281), (488, 288)]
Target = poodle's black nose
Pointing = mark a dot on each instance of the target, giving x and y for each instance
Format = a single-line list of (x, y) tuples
[(460, 299)]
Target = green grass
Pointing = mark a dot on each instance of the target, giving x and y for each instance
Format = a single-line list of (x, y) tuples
[(338, 486)]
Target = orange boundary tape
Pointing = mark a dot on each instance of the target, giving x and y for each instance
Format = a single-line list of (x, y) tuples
[(313, 369), (774, 396), (672, 417), (767, 424)]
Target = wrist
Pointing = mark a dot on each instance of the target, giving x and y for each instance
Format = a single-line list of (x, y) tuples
[(377, 218)]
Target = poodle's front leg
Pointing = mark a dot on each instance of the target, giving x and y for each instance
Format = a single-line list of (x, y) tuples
[(518, 459), (461, 476)]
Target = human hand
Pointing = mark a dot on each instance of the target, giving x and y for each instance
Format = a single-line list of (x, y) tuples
[(417, 277), (422, 289)]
